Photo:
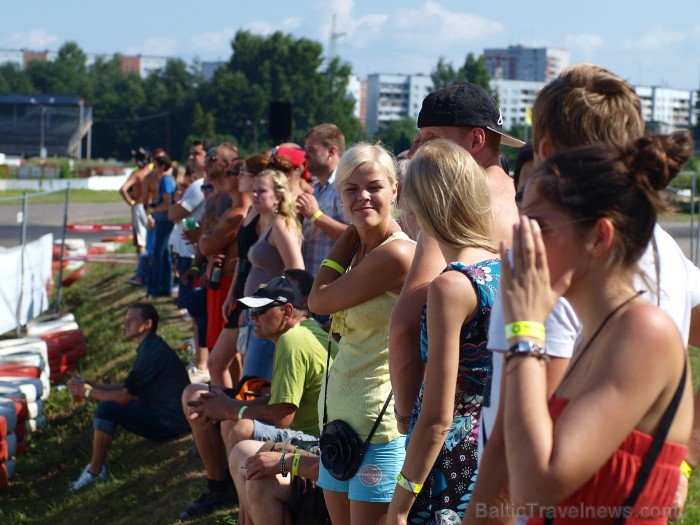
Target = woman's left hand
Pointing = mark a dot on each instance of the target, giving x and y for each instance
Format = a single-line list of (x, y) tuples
[(263, 464), (526, 290)]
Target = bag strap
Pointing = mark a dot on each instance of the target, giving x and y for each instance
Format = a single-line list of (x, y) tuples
[(368, 441), (653, 453)]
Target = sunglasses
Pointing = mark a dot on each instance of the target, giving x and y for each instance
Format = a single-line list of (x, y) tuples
[(232, 173), (264, 309), (207, 187), (212, 158)]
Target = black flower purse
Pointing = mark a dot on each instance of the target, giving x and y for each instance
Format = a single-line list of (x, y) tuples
[(341, 448)]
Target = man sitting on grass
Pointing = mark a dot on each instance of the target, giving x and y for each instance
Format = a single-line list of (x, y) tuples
[(146, 403)]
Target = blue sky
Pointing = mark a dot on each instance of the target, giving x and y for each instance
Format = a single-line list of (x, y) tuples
[(655, 45)]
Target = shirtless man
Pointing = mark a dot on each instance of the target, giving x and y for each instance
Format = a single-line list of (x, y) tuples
[(217, 241), (467, 115), (132, 193)]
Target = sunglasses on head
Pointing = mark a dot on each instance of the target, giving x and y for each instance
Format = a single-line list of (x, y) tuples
[(207, 187), (260, 310)]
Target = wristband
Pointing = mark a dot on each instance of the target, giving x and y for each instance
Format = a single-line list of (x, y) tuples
[(333, 265), (295, 464), (686, 469), (283, 465), (195, 268), (88, 389), (133, 202), (240, 412), (150, 216), (316, 215), (415, 488), (525, 328)]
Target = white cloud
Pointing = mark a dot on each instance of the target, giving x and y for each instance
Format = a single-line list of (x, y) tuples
[(655, 39), (155, 46), (214, 41), (34, 39), (584, 45), (434, 23), (289, 24)]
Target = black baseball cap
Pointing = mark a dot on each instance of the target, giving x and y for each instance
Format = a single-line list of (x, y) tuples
[(464, 105), (279, 290)]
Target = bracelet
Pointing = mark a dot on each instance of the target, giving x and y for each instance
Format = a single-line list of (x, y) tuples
[(333, 265), (415, 488), (525, 328), (295, 464), (686, 469), (88, 389), (404, 420), (525, 349), (240, 412), (283, 465), (316, 215)]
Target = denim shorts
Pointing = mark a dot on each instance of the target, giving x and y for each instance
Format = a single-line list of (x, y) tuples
[(375, 480), (264, 432), (137, 418)]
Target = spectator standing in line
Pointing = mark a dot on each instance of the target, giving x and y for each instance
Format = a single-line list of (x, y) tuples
[(146, 403), (162, 186), (190, 207), (227, 362), (323, 212), (360, 302), (467, 115), (132, 191)]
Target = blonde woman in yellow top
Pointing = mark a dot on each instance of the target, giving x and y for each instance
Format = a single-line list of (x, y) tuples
[(358, 284)]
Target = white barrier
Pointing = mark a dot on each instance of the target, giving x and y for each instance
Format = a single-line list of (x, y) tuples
[(22, 299), (108, 182)]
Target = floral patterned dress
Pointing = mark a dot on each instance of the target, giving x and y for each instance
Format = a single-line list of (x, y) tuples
[(447, 490)]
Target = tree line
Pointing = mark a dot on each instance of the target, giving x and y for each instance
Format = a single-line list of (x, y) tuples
[(174, 105)]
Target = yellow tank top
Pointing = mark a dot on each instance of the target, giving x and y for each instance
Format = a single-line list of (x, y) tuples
[(358, 381)]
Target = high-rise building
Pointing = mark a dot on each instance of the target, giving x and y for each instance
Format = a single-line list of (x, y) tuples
[(394, 97), (666, 110), (540, 64), (515, 99)]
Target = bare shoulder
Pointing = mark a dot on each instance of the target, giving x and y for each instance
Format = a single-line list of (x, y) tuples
[(399, 250), (454, 290)]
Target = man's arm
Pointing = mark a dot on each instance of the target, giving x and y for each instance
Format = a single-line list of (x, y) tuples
[(177, 212), (405, 365), (328, 225), (124, 190)]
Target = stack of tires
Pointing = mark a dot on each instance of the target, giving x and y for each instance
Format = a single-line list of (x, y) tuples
[(24, 385), (74, 269), (65, 343)]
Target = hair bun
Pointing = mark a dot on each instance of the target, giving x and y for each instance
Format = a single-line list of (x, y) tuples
[(657, 159)]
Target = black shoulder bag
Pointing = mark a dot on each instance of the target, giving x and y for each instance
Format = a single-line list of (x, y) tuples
[(341, 448)]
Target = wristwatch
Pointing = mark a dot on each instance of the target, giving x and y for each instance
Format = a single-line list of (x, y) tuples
[(527, 348)]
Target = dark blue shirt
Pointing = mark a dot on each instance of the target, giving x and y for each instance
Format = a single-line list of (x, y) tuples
[(158, 379)]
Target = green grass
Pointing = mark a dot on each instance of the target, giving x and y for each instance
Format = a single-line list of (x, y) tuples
[(148, 482), (76, 196)]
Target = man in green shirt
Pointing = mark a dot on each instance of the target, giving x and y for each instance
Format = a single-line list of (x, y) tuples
[(290, 412)]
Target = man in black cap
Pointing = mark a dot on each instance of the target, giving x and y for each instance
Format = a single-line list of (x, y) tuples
[(467, 115), (289, 412)]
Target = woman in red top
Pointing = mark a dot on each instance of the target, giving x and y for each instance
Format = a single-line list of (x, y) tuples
[(588, 215)]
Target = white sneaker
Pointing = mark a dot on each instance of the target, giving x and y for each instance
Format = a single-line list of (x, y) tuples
[(86, 479), (198, 375)]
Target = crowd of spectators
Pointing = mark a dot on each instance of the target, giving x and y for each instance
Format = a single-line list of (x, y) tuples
[(423, 339)]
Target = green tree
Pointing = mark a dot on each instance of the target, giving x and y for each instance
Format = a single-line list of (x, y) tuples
[(445, 75), (397, 135), (473, 70), (14, 80), (203, 124), (281, 68)]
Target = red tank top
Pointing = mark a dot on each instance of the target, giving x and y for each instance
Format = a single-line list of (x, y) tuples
[(607, 489)]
